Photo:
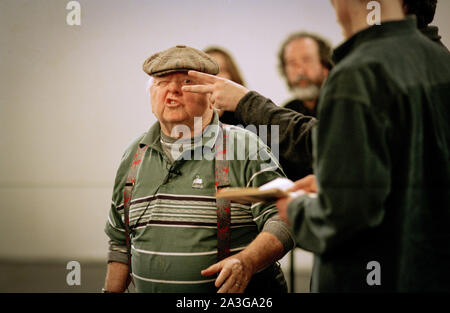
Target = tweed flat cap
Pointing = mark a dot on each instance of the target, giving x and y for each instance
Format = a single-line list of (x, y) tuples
[(180, 59)]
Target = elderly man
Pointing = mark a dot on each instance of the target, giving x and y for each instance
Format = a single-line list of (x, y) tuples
[(164, 211), (305, 61)]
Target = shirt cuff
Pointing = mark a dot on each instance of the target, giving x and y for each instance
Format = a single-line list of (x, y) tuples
[(279, 229), (117, 253)]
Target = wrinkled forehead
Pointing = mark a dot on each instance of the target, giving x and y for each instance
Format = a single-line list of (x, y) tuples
[(300, 46)]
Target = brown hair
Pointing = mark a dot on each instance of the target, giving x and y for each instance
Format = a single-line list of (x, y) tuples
[(231, 65), (324, 50)]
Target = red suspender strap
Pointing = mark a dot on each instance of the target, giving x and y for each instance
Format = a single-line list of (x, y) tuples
[(223, 205), (127, 194)]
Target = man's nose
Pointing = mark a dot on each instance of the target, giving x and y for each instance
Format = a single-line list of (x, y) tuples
[(299, 70), (174, 87)]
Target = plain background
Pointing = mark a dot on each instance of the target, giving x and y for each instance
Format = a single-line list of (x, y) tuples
[(73, 97)]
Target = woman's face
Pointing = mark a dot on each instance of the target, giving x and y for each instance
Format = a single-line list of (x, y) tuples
[(224, 71)]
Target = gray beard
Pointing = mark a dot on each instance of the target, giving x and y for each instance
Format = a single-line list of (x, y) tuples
[(307, 93)]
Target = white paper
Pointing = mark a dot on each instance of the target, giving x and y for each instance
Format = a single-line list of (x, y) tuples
[(278, 183)]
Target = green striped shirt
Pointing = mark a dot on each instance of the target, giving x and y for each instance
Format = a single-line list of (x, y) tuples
[(173, 211)]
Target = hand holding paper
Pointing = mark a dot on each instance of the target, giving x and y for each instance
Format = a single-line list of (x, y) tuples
[(307, 183), (276, 189)]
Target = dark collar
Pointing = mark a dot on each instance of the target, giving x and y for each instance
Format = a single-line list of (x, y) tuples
[(431, 32), (385, 30)]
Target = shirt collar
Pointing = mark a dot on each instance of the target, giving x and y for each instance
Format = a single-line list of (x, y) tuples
[(385, 30), (431, 32), (153, 137)]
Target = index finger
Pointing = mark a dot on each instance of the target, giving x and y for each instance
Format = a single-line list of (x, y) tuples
[(306, 183), (198, 88), (203, 77), (211, 270)]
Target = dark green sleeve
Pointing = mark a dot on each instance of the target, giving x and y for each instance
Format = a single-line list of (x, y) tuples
[(295, 153), (352, 167)]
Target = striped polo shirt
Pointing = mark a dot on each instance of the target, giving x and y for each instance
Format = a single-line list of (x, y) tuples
[(173, 209)]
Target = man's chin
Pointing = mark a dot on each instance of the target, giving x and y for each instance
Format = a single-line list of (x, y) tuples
[(174, 117), (307, 93), (175, 123), (176, 128)]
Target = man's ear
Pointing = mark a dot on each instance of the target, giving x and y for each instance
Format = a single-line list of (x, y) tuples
[(150, 101), (210, 105), (153, 111), (325, 72)]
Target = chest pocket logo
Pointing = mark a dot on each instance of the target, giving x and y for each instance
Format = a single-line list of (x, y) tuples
[(197, 183)]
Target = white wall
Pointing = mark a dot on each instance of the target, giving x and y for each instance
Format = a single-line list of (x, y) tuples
[(72, 98)]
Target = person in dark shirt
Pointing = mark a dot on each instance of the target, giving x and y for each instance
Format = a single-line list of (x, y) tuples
[(379, 217), (304, 62), (424, 10)]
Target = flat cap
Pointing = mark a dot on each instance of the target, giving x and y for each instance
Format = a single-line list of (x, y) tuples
[(180, 59)]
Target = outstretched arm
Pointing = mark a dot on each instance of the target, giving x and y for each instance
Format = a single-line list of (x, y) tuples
[(294, 131), (223, 93), (251, 108)]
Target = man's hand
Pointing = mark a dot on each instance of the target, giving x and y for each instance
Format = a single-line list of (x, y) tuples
[(224, 94), (235, 274), (307, 184)]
